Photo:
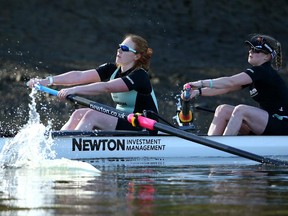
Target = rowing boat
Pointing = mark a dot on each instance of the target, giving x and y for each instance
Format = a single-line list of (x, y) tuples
[(124, 144), (172, 142)]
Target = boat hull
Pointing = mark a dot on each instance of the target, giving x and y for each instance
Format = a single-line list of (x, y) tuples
[(164, 146)]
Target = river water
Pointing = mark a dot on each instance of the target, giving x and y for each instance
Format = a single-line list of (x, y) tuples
[(196, 188), (34, 183)]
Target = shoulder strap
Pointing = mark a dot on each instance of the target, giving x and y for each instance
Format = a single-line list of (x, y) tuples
[(114, 73)]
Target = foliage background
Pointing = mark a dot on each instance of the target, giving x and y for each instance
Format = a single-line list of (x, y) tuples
[(191, 40)]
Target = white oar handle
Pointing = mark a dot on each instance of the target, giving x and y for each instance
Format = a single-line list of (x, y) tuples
[(46, 89)]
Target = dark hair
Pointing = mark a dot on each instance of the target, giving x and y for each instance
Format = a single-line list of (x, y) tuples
[(141, 46), (277, 60)]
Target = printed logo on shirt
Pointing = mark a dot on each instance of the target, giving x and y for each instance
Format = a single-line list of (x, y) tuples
[(130, 79), (253, 92), (249, 69), (103, 65)]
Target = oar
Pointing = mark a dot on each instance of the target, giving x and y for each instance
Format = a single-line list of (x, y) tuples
[(185, 115), (151, 124), (205, 109)]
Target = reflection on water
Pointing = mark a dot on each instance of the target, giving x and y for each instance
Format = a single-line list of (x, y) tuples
[(147, 190), (34, 191)]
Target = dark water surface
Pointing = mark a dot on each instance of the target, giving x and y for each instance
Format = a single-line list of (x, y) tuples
[(211, 186)]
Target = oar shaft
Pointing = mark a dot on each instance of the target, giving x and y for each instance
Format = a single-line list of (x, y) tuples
[(185, 114), (154, 125), (98, 107), (216, 145), (205, 109), (86, 102), (46, 89)]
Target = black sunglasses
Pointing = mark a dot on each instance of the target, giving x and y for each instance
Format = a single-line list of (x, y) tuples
[(254, 50), (125, 48)]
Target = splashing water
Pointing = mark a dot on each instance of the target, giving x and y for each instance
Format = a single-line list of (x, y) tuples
[(30, 146)]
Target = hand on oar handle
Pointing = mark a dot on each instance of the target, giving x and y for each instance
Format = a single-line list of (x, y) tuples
[(188, 92), (44, 82), (63, 93)]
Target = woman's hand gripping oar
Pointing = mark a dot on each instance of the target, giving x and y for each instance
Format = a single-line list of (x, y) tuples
[(186, 115)]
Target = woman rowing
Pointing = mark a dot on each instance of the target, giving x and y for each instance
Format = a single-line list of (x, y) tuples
[(127, 80), (266, 87)]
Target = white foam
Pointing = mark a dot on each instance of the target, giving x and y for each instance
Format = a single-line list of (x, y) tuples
[(31, 148)]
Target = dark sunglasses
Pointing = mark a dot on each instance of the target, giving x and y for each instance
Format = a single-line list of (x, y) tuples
[(254, 50), (125, 48)]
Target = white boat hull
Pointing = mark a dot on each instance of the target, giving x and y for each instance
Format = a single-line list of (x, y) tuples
[(161, 146)]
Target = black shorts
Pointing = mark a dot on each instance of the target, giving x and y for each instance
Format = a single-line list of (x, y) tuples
[(123, 124), (276, 126)]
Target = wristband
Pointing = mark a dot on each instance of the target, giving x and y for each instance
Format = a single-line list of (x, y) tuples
[(211, 83), (50, 80)]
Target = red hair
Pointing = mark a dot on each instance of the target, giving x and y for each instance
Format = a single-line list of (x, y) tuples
[(141, 46)]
